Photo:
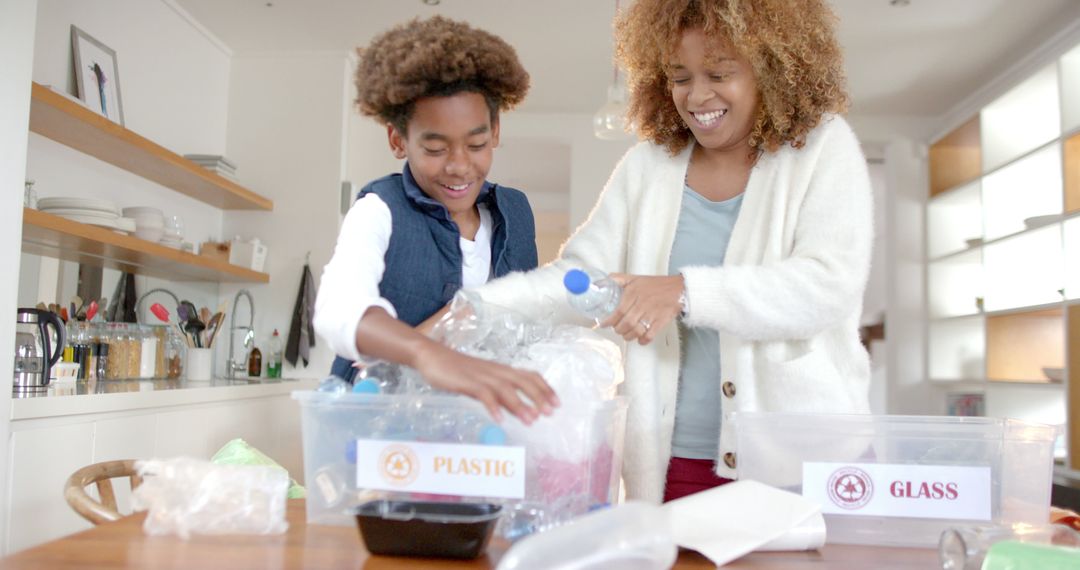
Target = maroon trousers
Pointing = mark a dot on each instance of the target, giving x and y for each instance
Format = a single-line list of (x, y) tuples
[(689, 476)]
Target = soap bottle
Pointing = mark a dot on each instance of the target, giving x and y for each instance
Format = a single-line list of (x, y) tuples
[(273, 364), (254, 363)]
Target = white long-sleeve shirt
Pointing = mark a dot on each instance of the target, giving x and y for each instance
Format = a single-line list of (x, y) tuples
[(350, 281)]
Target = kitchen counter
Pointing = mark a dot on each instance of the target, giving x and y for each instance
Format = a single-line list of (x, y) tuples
[(101, 396)]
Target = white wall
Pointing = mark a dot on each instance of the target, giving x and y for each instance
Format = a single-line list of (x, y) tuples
[(174, 78), (174, 81), (591, 159), (287, 119), (906, 174), (16, 42)]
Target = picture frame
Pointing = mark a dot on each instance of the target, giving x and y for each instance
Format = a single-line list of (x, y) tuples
[(97, 75)]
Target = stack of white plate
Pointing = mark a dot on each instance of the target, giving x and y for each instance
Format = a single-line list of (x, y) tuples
[(93, 211), (215, 163)]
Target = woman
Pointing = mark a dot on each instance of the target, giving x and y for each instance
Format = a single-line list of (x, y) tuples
[(740, 228)]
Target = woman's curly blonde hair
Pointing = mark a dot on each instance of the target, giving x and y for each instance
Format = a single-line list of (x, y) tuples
[(436, 57), (789, 43)]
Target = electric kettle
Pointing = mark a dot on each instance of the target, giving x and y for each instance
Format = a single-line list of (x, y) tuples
[(36, 349)]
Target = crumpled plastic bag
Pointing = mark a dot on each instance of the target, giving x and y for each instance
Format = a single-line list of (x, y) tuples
[(186, 496), (578, 363), (239, 452)]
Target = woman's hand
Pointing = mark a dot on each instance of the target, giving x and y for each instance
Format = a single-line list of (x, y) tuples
[(648, 304), (495, 385)]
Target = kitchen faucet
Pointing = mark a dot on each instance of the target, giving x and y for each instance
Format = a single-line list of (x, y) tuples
[(231, 367)]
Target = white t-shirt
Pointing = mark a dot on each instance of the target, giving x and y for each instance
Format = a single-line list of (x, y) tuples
[(350, 282)]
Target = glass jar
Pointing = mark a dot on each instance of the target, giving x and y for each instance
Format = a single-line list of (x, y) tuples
[(81, 348), (160, 334), (115, 368), (175, 353), (134, 350), (148, 353), (966, 548)]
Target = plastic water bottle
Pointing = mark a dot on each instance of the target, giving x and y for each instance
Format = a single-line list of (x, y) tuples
[(592, 293)]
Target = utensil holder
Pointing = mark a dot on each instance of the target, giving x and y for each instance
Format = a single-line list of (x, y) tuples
[(200, 363)]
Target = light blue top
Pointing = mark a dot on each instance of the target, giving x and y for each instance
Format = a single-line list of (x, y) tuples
[(701, 238)]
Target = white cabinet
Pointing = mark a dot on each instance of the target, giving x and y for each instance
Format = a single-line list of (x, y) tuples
[(49, 442), (1003, 251)]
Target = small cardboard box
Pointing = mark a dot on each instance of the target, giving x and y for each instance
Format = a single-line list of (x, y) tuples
[(217, 251)]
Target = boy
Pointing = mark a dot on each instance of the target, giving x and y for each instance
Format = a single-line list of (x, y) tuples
[(413, 239)]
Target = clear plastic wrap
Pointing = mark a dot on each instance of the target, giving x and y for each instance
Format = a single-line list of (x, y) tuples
[(186, 496)]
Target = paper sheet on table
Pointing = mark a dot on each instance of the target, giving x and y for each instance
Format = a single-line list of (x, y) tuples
[(732, 520)]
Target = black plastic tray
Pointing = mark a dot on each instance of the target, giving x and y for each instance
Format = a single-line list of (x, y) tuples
[(430, 529)]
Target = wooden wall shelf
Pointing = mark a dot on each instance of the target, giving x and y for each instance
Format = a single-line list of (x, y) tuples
[(54, 116), (54, 236), (956, 158)]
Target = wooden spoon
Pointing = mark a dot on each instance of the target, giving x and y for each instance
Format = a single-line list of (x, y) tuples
[(213, 328)]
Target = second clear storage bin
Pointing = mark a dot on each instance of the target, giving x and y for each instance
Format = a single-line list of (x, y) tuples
[(902, 480)]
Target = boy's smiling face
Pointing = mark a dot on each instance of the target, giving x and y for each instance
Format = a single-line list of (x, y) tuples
[(449, 146)]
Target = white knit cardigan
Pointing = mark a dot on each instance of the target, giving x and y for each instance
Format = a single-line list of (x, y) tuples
[(786, 301)]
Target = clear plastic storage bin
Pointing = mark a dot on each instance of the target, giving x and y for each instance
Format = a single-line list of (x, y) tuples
[(572, 460), (902, 480)]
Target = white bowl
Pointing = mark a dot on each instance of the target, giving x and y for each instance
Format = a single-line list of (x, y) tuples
[(149, 222), (1036, 221), (148, 233), (1054, 374), (134, 211)]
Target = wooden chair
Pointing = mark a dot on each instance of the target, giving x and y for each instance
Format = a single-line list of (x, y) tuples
[(100, 474)]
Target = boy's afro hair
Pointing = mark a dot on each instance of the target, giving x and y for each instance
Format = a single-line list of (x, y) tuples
[(431, 58)]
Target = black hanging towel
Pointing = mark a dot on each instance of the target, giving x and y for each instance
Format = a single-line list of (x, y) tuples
[(301, 330)]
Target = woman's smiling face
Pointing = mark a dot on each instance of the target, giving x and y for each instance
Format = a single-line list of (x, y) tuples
[(714, 91), (449, 143)]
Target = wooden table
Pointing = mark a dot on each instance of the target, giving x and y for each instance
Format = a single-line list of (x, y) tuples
[(123, 544)]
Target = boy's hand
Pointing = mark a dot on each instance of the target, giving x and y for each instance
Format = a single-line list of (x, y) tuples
[(495, 385), (429, 323)]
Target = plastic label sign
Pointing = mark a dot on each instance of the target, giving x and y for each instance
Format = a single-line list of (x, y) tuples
[(898, 490), (442, 468)]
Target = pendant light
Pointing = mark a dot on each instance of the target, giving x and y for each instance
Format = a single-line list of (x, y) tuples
[(609, 122)]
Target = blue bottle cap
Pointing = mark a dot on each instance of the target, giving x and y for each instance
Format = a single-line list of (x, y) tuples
[(576, 281), (492, 435), (366, 386)]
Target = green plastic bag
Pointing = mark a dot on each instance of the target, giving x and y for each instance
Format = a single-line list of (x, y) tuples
[(240, 452)]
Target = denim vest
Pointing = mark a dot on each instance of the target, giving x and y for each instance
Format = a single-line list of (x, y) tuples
[(423, 258)]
